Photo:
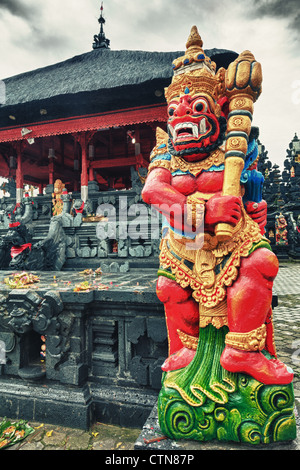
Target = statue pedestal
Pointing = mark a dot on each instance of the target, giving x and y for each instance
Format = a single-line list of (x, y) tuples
[(204, 402)]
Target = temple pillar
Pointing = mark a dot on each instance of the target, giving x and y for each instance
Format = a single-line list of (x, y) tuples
[(84, 171), (91, 158), (91, 172), (19, 174), (51, 171), (83, 138)]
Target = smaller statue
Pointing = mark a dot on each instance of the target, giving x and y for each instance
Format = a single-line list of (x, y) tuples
[(17, 250), (56, 197), (15, 245), (281, 230), (9, 187)]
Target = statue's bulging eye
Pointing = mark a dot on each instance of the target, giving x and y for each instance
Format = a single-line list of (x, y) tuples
[(200, 106), (171, 110)]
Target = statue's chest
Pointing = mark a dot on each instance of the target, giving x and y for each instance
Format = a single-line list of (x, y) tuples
[(206, 182)]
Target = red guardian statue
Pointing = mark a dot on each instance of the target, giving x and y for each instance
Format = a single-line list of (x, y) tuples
[(205, 167)]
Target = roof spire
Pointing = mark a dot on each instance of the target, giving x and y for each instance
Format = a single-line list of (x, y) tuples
[(100, 41)]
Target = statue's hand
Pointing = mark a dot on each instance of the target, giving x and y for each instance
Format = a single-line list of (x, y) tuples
[(223, 209), (258, 212), (244, 75)]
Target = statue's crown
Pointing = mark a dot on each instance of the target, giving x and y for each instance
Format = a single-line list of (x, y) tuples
[(195, 70), (195, 57)]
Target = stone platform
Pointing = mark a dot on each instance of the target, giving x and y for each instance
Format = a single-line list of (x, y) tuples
[(104, 348)]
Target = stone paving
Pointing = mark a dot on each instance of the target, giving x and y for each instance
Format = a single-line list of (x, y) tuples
[(107, 437), (99, 437)]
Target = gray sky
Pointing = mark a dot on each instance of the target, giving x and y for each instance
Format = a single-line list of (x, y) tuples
[(36, 33)]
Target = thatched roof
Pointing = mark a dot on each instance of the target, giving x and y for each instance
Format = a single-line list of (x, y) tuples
[(102, 78)]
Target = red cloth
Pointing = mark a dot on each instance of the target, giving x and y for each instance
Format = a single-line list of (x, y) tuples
[(16, 250), (80, 210), (14, 224)]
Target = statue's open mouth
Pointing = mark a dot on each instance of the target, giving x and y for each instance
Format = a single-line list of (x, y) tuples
[(186, 131), (196, 136)]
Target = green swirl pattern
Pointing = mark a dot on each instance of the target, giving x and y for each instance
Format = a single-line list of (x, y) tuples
[(202, 402)]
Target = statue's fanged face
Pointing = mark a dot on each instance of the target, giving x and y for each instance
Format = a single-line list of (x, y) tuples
[(192, 125)]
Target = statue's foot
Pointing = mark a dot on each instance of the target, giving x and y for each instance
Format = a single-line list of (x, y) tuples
[(254, 363), (178, 360)]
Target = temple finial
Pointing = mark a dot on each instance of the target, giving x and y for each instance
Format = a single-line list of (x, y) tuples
[(100, 41)]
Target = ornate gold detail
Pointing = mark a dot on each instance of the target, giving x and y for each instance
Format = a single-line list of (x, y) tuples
[(217, 315), (239, 123), (234, 143), (195, 210), (161, 141), (251, 341), (190, 342), (238, 102), (161, 148), (205, 263), (159, 164), (245, 234), (200, 81), (161, 137), (215, 158), (237, 143)]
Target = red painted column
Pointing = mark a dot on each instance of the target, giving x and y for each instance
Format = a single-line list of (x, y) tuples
[(19, 174), (83, 138), (84, 169), (51, 171), (91, 173), (91, 157)]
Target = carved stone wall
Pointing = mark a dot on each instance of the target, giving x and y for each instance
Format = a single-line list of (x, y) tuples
[(97, 339), (82, 244)]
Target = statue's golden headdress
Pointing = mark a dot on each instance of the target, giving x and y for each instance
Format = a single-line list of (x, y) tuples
[(195, 70)]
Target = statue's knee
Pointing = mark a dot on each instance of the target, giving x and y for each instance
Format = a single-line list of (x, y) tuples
[(266, 262), (169, 291)]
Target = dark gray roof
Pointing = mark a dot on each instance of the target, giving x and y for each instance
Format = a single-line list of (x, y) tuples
[(97, 70)]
